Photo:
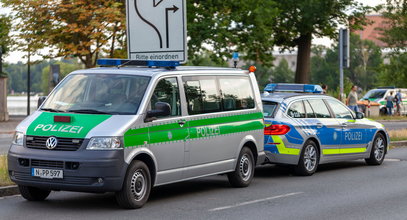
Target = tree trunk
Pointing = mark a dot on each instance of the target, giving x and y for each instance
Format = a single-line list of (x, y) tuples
[(303, 59)]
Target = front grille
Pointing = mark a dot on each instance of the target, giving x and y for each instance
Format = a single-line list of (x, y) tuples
[(64, 144), (47, 163), (66, 180)]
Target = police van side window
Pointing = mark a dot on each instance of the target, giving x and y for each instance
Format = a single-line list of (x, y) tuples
[(237, 93), (167, 90), (309, 110), (296, 110), (320, 109), (202, 95), (339, 109)]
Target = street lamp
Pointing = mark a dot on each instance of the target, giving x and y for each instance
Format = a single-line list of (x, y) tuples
[(28, 80)]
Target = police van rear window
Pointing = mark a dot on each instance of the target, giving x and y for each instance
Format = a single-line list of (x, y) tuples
[(269, 109)]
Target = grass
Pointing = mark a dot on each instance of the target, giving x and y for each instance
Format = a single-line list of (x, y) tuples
[(4, 179), (398, 135), (386, 117)]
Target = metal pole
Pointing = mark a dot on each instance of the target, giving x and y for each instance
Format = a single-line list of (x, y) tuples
[(28, 82), (341, 64)]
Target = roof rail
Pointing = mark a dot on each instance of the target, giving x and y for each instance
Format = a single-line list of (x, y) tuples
[(148, 63), (287, 87)]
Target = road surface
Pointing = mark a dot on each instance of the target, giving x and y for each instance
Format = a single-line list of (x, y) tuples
[(348, 190)]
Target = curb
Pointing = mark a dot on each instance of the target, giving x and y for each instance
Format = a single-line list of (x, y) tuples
[(398, 143), (384, 121), (9, 191)]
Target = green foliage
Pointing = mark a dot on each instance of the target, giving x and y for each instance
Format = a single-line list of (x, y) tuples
[(5, 27), (395, 72)]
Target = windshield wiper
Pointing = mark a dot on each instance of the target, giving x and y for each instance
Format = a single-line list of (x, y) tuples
[(88, 111), (51, 110)]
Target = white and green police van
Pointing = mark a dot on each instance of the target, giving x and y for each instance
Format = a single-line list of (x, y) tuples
[(126, 129)]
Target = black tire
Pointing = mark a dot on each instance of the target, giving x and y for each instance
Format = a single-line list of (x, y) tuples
[(136, 187), (244, 171), (383, 111), (33, 194), (309, 159), (378, 151)]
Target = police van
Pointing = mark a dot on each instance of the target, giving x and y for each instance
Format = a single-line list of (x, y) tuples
[(126, 129), (305, 128)]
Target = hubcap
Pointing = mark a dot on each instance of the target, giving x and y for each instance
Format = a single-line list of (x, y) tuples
[(379, 149), (138, 185), (310, 158), (245, 167)]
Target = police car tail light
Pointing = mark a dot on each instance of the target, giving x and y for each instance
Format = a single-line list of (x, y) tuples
[(276, 130)]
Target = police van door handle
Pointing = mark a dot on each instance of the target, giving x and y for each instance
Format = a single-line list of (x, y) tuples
[(182, 122), (344, 124), (319, 125)]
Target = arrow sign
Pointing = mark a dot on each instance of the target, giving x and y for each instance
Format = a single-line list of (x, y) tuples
[(156, 3), (174, 9)]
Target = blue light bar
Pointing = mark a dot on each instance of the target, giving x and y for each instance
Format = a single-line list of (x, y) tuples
[(148, 63), (286, 87)]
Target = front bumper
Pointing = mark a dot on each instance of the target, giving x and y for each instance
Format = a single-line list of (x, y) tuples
[(94, 166)]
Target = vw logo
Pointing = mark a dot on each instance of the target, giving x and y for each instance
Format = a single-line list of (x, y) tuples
[(51, 143)]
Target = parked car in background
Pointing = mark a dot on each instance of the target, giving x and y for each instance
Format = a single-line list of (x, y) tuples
[(379, 95)]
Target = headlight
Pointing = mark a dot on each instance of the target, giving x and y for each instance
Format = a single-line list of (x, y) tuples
[(104, 143), (18, 138)]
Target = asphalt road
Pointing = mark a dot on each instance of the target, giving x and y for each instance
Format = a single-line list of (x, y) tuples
[(5, 141), (348, 190), (395, 125)]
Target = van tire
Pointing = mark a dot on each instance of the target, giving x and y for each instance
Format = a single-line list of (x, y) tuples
[(33, 194), (136, 187), (244, 171), (309, 159), (378, 151)]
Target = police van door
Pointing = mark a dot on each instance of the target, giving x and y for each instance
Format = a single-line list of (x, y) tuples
[(354, 140)]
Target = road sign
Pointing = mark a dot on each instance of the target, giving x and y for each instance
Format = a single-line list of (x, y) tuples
[(156, 30)]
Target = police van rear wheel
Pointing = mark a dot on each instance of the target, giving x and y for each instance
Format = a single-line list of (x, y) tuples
[(136, 187), (244, 171), (378, 150), (309, 159), (33, 194)]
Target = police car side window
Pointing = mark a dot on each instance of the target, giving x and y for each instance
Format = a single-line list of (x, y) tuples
[(167, 90), (320, 109), (296, 110), (339, 110), (202, 95), (237, 93), (309, 110)]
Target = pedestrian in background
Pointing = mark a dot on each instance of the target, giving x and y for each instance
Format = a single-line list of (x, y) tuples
[(352, 100), (390, 104), (324, 89), (398, 101)]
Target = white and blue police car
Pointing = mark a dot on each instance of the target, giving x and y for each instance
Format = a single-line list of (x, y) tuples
[(305, 128)]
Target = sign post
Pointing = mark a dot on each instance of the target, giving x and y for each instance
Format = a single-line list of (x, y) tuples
[(344, 56), (156, 30)]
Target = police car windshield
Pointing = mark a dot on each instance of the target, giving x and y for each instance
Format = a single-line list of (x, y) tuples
[(98, 94), (269, 108), (374, 94)]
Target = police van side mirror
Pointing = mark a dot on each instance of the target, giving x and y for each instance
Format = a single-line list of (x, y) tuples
[(162, 109), (360, 115), (41, 100)]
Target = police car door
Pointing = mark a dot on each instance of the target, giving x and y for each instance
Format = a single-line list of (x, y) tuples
[(354, 139)]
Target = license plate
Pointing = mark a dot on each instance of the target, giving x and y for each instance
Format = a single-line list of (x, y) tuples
[(47, 173)]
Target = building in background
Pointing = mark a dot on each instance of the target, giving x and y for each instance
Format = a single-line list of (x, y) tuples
[(372, 31)]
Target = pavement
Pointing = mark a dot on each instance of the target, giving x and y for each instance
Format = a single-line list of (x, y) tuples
[(347, 190), (6, 132)]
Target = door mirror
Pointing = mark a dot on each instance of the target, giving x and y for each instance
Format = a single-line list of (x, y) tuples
[(41, 100), (162, 109), (360, 115)]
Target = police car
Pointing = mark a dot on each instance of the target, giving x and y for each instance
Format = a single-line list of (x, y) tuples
[(305, 128)]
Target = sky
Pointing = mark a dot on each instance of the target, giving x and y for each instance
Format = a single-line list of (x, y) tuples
[(17, 56)]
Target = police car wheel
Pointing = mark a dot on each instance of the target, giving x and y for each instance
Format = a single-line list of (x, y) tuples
[(33, 194), (244, 171), (378, 150), (309, 159), (136, 187)]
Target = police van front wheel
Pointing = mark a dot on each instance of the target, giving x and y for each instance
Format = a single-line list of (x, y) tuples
[(309, 159), (378, 150), (136, 187), (33, 194), (244, 171)]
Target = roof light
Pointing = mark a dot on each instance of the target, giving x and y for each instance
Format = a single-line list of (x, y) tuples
[(286, 87), (252, 69), (148, 63)]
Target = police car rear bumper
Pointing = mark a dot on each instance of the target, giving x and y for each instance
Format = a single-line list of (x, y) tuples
[(83, 170), (282, 158)]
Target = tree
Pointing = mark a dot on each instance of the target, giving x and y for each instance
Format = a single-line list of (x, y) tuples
[(299, 21), (81, 28), (5, 27), (282, 73)]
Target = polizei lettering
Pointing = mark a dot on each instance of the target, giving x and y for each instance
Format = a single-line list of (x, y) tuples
[(207, 131), (60, 128), (353, 136)]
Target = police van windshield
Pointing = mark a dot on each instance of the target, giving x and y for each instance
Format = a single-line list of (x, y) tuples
[(98, 94), (374, 94), (269, 108)]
